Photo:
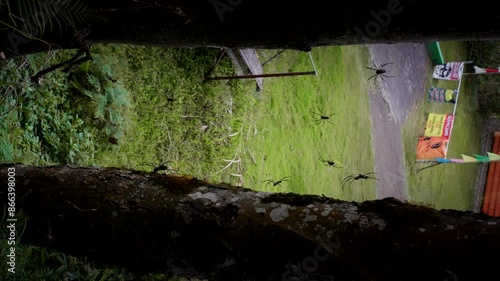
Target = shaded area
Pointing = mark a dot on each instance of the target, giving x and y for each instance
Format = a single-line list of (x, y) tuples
[(149, 222), (281, 24)]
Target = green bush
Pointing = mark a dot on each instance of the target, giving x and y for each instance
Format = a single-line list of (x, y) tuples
[(486, 54), (65, 117), (100, 97)]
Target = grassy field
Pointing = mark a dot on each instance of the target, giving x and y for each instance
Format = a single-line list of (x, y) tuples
[(289, 137), (137, 107), (287, 142), (223, 131), (446, 186)]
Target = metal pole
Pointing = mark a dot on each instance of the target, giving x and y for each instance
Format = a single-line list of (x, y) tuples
[(454, 112), (279, 53), (262, 75), (458, 94), (487, 73), (216, 62), (312, 62)]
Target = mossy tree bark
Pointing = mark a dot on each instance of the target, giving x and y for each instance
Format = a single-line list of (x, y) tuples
[(289, 24), (154, 222)]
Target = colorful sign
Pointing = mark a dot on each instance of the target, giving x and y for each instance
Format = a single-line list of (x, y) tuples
[(439, 125), (449, 71), (430, 148), (442, 95)]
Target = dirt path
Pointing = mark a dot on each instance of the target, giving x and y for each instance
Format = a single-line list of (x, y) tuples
[(389, 106)]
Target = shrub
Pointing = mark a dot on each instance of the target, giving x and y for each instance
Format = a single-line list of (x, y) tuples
[(486, 54)]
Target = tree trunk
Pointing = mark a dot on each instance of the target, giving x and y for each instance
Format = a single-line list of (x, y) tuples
[(154, 222), (284, 24)]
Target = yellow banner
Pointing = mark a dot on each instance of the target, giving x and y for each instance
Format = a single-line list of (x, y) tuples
[(435, 125), (439, 125)]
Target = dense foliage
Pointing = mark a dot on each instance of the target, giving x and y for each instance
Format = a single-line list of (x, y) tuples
[(62, 120), (130, 107), (486, 54)]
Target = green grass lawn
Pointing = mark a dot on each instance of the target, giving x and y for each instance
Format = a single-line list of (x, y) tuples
[(252, 139), (289, 137), (287, 142), (446, 186)]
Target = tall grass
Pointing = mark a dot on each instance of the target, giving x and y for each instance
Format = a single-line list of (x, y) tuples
[(144, 107), (179, 118), (289, 138)]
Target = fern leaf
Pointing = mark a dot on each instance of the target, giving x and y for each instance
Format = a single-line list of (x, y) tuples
[(39, 15), (100, 111), (6, 149)]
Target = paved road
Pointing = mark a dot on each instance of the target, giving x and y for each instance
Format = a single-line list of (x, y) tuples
[(389, 107)]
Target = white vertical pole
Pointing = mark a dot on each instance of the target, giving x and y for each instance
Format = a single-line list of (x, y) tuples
[(312, 62), (454, 110)]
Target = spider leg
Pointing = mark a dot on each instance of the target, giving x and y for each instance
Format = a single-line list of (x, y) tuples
[(282, 187), (352, 181), (388, 76), (375, 64), (371, 77), (346, 180), (386, 64), (370, 176), (323, 161), (349, 182), (372, 68), (375, 82), (343, 184), (332, 166), (267, 182)]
